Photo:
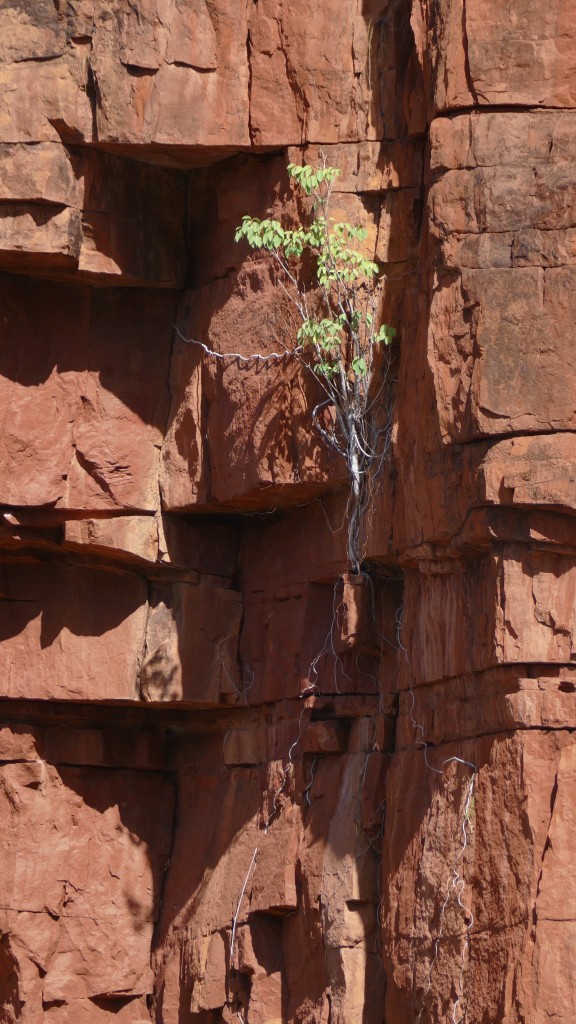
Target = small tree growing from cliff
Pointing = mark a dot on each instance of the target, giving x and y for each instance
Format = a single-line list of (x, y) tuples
[(340, 337)]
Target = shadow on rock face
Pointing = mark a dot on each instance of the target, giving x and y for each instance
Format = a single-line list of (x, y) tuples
[(84, 384), (10, 1004), (395, 75), (85, 627), (105, 837)]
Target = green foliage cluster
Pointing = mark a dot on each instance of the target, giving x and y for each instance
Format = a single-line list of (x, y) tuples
[(338, 339), (340, 336)]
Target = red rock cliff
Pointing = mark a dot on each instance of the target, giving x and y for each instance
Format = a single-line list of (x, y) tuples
[(191, 832)]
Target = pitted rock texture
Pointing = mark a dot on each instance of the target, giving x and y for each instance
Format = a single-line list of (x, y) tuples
[(236, 781)]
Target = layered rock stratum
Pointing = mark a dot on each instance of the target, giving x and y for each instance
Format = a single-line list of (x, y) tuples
[(235, 782)]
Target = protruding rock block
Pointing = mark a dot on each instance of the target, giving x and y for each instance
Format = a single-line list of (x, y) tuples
[(504, 228), (510, 697), (240, 434), (79, 378), (70, 633), (325, 738), (245, 746), (474, 54), (356, 614), (80, 917), (46, 101), (367, 166), (318, 82), (173, 76), (519, 852), (191, 652), (515, 606), (65, 211)]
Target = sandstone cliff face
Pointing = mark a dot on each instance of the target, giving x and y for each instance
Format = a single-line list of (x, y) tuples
[(234, 782)]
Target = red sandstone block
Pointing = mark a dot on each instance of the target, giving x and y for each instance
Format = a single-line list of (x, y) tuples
[(245, 746), (324, 738), (81, 374), (70, 633), (191, 652), (83, 911), (475, 54)]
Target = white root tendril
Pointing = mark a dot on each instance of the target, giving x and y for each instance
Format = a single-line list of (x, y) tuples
[(342, 343), (456, 884), (236, 357), (239, 905), (340, 339), (455, 888)]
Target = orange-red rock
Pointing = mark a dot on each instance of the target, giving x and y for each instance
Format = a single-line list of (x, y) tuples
[(236, 781), (84, 856)]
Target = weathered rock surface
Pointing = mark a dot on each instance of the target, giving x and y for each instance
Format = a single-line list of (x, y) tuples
[(84, 856), (237, 782)]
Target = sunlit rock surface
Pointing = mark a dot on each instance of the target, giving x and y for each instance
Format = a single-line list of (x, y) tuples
[(215, 802)]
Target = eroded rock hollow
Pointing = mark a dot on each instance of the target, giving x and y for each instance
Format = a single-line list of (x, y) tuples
[(237, 783)]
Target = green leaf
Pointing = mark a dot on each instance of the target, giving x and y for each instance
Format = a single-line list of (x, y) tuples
[(345, 275), (386, 334), (309, 178)]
